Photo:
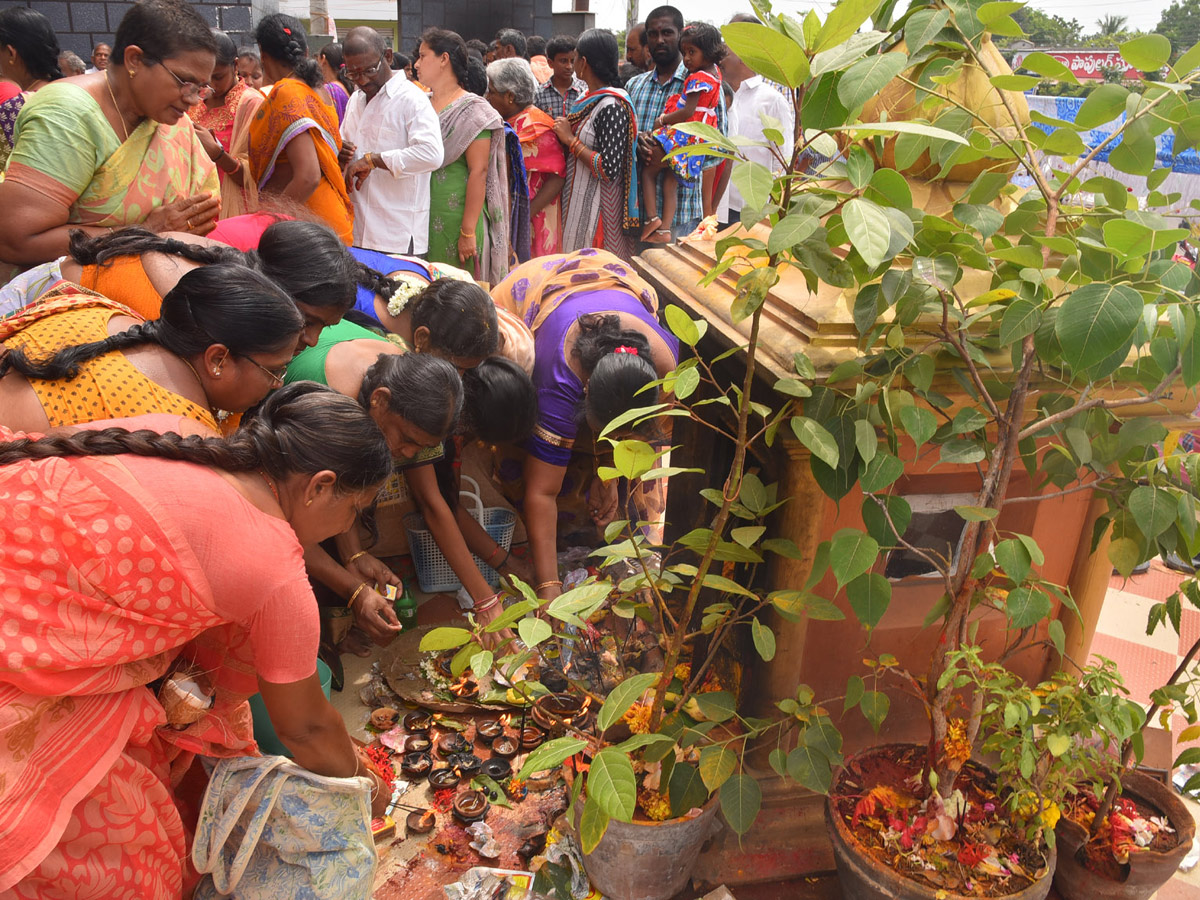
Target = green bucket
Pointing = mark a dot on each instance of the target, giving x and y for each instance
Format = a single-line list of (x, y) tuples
[(264, 732)]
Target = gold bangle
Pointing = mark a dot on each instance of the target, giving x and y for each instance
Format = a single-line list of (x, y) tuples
[(462, 233), (354, 557), (358, 590), (546, 584)]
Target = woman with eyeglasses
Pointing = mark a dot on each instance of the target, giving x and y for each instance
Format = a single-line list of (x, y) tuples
[(115, 147), (221, 342), (223, 124), (294, 138)]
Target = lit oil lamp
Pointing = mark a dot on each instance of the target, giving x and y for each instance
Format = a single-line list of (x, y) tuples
[(465, 688), (488, 730), (421, 821), (557, 712), (467, 765), (418, 723)]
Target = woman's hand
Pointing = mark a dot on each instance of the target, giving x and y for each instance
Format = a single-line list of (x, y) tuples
[(518, 568), (563, 130), (371, 570), (466, 246), (196, 215), (382, 797), (602, 501), (373, 613), (209, 142)]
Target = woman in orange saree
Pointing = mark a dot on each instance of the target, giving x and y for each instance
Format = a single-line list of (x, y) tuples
[(294, 137), (126, 557)]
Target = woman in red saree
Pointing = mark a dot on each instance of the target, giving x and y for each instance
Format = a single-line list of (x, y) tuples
[(223, 127), (125, 555), (294, 137), (511, 89)]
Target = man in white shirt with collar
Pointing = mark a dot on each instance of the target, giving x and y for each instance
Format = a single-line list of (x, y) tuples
[(389, 125), (752, 94)]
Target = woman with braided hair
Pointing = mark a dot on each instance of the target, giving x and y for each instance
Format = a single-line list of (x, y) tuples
[(156, 555), (137, 268), (221, 343), (597, 343), (294, 138)]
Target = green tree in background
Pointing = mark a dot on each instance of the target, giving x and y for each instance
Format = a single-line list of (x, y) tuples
[(1180, 23), (1112, 25), (1046, 30)]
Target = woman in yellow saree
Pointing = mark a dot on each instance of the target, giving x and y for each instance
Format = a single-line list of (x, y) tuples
[(294, 137), (116, 147)]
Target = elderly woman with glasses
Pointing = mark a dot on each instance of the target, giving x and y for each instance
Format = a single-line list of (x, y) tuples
[(511, 90), (115, 147)]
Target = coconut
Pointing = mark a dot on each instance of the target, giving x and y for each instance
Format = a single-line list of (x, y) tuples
[(898, 101)]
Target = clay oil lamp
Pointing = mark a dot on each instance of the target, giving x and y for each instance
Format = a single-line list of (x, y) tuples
[(467, 765), (556, 712), (505, 746), (443, 777), (465, 688), (451, 743), (418, 723), (384, 718), (497, 768), (443, 664), (531, 737), (415, 766), (471, 806), (421, 821), (418, 743), (488, 730)]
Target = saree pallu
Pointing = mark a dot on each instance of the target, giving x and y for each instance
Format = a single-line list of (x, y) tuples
[(159, 164), (533, 291), (108, 386), (291, 110), (230, 124), (100, 593), (518, 189), (544, 157), (461, 123), (600, 211)]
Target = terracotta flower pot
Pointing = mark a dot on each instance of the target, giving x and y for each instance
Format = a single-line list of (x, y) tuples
[(863, 877), (1147, 871), (648, 860)]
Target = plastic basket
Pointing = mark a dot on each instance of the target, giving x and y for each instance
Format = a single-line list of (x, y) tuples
[(434, 574)]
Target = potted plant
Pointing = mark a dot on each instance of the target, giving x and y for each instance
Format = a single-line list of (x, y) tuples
[(1057, 317), (1127, 835)]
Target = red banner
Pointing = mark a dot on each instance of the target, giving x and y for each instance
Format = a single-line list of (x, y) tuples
[(1084, 64)]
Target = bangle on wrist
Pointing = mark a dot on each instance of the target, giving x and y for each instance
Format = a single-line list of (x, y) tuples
[(488, 603), (358, 555), (463, 233), (492, 556), (546, 584), (358, 590)]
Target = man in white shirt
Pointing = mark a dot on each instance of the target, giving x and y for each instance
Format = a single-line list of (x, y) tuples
[(389, 125), (752, 95)]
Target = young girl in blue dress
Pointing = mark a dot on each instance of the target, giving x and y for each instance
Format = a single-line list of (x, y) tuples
[(702, 49)]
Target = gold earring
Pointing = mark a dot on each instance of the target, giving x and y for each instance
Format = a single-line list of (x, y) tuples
[(309, 503), (132, 73)]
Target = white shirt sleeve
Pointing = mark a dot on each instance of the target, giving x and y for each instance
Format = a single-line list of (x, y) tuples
[(419, 124)]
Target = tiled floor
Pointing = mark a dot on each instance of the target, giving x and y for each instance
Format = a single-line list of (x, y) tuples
[(1147, 661)]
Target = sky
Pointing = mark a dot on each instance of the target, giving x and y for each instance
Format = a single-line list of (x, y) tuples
[(1142, 14)]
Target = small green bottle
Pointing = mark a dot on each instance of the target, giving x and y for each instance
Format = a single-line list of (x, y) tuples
[(406, 609)]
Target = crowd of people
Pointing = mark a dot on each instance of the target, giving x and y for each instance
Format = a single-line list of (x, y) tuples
[(245, 292)]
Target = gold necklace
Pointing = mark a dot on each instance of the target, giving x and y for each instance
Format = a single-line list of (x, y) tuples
[(219, 415), (125, 128)]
